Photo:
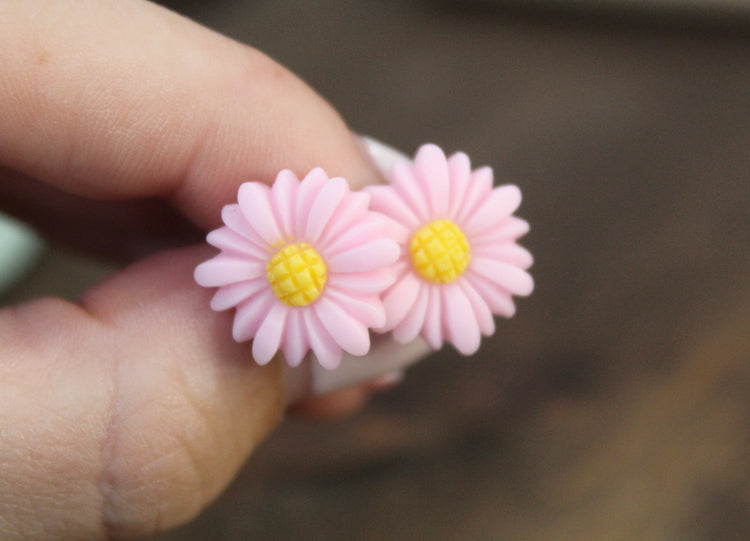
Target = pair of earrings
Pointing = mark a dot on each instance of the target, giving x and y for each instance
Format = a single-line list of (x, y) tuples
[(310, 265)]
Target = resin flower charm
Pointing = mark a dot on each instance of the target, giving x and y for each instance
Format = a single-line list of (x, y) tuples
[(459, 260), (303, 263)]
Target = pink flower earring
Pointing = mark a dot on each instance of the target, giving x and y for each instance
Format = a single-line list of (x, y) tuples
[(459, 261), (303, 263)]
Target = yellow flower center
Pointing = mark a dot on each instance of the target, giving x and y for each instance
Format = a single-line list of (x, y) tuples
[(440, 251), (297, 274)]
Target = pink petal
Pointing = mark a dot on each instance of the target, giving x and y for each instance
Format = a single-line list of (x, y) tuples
[(370, 256), (498, 299), (515, 280), (345, 217), (325, 348), (387, 201), (411, 325), (363, 282), (308, 191), (507, 252), (255, 204), (232, 216), (268, 338), (459, 167), (348, 332), (399, 299), (401, 267), (230, 241), (233, 294), (431, 170), (329, 197), (284, 198), (359, 233), (250, 314), (409, 190), (501, 203), (481, 310), (509, 229), (225, 269), (394, 230), (479, 189), (369, 310), (432, 330), (294, 343), (460, 324)]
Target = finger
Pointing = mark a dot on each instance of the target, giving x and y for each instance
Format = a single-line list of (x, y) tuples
[(128, 415), (126, 99)]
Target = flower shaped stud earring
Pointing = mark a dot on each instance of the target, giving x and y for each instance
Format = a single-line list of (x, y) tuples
[(303, 263), (459, 261)]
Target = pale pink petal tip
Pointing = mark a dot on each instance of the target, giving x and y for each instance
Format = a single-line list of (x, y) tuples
[(461, 310), (351, 241)]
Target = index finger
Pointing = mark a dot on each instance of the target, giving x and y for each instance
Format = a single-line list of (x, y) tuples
[(119, 100)]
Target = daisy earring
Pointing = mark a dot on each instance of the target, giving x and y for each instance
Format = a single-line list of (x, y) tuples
[(303, 263), (459, 260)]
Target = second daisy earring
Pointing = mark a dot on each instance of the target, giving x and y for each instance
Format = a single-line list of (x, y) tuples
[(459, 261)]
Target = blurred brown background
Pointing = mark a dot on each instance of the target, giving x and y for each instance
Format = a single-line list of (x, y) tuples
[(616, 405)]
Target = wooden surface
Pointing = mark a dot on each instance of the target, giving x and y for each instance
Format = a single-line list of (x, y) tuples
[(616, 405)]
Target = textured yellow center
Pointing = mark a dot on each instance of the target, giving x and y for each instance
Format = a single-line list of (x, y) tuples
[(297, 274), (440, 251)]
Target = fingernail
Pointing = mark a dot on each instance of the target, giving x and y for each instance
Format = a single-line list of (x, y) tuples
[(383, 367), (386, 382), (381, 156), (386, 356)]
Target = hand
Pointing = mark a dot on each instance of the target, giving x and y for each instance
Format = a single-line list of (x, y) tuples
[(124, 129)]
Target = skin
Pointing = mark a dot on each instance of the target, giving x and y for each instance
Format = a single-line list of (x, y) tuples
[(124, 129)]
